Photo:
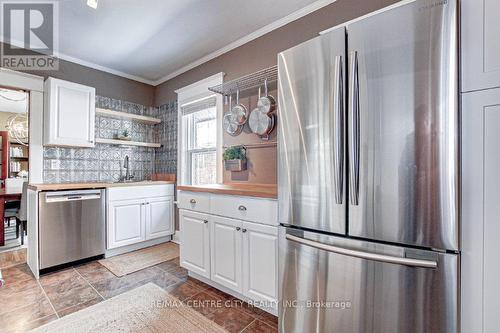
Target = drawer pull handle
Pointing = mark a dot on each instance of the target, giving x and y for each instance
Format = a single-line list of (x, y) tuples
[(192, 201), (242, 208), (244, 230), (205, 221), (238, 228)]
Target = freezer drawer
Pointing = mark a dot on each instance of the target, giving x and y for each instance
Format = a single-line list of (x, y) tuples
[(334, 284)]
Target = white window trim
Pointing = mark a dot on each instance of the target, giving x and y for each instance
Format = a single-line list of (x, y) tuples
[(196, 91)]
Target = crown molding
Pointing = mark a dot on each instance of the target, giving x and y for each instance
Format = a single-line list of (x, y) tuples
[(248, 38), (92, 65), (104, 68)]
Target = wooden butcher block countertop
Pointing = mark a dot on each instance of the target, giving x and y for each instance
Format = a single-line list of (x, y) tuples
[(250, 190), (78, 186)]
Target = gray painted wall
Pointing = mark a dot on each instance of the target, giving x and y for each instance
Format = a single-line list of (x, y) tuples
[(261, 53), (106, 84)]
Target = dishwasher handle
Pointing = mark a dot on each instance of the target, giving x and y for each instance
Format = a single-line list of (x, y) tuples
[(72, 196)]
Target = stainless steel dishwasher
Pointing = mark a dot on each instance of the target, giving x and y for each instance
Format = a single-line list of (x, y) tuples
[(71, 226)]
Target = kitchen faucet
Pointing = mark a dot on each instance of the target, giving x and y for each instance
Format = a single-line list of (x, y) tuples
[(126, 165)]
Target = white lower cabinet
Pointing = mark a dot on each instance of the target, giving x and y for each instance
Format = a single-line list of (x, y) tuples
[(195, 242), (138, 215), (159, 217), (125, 223), (225, 246), (239, 255), (260, 262)]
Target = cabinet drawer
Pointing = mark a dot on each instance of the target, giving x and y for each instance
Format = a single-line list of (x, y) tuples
[(139, 192), (199, 202), (244, 208)]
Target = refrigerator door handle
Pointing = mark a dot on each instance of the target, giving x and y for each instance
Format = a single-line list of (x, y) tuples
[(364, 255), (354, 128), (338, 119)]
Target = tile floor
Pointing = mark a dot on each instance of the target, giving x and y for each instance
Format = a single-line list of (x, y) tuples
[(26, 303)]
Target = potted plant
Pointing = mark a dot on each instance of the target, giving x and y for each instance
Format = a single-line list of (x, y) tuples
[(124, 136), (235, 158)]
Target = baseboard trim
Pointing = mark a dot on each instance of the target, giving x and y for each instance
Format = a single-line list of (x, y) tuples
[(129, 248), (176, 237), (273, 310)]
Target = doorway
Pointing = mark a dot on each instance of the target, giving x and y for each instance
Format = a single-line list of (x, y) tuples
[(14, 174)]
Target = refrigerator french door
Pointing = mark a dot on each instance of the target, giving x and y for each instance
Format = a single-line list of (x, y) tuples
[(312, 168), (368, 175)]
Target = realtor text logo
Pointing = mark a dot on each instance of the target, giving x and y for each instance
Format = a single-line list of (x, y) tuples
[(29, 35)]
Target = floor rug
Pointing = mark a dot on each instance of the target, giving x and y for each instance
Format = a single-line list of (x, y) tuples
[(127, 263), (148, 308)]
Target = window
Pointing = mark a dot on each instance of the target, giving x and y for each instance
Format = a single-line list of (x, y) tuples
[(200, 135)]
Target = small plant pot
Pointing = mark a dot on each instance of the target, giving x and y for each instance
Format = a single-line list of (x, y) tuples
[(235, 165)]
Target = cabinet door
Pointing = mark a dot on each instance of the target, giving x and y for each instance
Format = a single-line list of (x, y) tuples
[(159, 217), (225, 247), (69, 114), (480, 44), (195, 242), (480, 211), (260, 262), (126, 222)]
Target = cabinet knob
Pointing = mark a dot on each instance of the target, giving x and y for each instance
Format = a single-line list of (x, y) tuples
[(192, 201), (238, 228), (205, 221), (242, 208), (244, 230)]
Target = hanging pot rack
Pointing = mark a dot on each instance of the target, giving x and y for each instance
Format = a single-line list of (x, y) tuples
[(247, 82)]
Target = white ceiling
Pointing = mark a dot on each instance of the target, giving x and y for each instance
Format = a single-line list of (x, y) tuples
[(154, 40)]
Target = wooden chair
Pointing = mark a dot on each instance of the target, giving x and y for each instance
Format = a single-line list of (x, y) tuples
[(22, 214)]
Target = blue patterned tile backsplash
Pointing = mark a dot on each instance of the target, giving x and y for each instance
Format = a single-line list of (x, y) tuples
[(104, 163), (166, 155)]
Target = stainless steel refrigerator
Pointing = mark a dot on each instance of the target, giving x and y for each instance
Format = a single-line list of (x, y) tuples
[(368, 175)]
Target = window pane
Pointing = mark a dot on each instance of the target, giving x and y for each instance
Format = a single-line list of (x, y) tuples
[(203, 168), (204, 129)]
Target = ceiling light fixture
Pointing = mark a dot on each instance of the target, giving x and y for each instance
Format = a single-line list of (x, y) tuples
[(92, 3)]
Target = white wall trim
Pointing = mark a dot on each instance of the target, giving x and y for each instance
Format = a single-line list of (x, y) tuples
[(248, 38), (190, 93), (34, 85), (396, 5), (89, 64), (105, 69), (20, 80)]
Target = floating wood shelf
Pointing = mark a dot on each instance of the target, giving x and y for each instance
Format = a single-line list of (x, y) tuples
[(125, 115), (127, 143)]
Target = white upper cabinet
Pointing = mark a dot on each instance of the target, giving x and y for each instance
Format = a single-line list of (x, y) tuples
[(69, 114), (480, 30)]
